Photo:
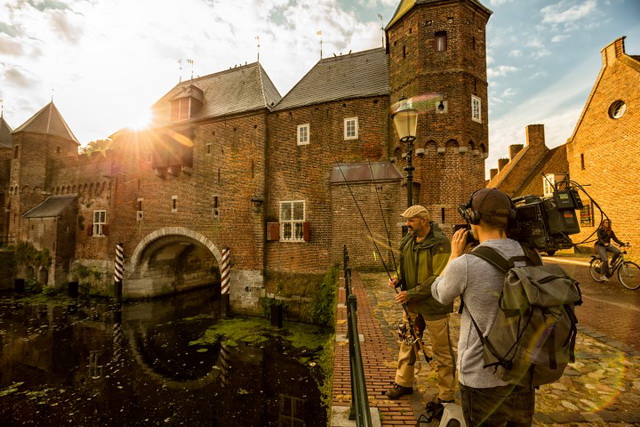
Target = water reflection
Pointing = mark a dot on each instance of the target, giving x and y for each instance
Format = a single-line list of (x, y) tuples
[(103, 364)]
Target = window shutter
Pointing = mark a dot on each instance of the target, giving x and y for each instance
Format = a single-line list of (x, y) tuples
[(105, 229), (273, 231), (90, 230), (306, 231)]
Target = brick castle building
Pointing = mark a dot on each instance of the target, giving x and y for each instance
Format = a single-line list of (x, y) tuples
[(282, 182)]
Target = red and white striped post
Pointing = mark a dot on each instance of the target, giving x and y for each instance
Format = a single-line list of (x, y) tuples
[(119, 271), (225, 283)]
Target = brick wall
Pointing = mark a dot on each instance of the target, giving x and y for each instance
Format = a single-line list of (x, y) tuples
[(302, 172), (603, 151), (454, 145)]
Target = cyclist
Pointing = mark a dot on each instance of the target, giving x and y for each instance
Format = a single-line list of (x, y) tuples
[(603, 245)]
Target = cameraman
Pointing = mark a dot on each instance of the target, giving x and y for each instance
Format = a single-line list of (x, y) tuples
[(486, 399), (603, 245)]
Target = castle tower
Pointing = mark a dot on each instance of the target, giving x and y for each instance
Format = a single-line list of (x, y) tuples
[(5, 166), (438, 46), (38, 146)]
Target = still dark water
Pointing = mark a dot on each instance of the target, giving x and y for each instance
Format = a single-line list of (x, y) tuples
[(88, 364)]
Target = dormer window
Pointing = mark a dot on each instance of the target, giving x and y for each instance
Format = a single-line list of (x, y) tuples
[(180, 109), (186, 103)]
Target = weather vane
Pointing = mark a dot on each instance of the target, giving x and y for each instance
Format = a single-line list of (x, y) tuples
[(319, 33), (258, 38)]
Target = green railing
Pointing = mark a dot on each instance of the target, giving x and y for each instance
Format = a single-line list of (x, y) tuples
[(359, 400)]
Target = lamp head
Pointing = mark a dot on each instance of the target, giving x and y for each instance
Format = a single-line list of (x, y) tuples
[(405, 119)]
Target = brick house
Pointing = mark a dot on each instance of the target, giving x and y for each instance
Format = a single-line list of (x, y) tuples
[(599, 155), (231, 164), (603, 148)]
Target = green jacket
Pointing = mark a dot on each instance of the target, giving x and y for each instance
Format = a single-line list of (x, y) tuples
[(420, 264)]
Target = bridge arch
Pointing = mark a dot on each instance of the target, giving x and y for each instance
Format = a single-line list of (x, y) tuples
[(169, 260)]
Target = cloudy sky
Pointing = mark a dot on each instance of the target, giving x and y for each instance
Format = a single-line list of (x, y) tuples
[(105, 62)]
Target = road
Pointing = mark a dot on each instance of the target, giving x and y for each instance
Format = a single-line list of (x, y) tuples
[(608, 308)]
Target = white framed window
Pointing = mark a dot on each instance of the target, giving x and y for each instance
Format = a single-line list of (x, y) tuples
[(476, 109), (351, 128), (303, 134), (99, 222), (548, 184), (292, 221)]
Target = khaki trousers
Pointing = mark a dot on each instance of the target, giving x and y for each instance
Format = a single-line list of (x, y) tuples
[(442, 354)]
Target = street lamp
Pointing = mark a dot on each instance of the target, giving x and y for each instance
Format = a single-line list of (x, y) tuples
[(405, 119)]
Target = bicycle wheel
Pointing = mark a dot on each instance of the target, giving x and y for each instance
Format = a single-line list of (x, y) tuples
[(595, 267), (629, 275)]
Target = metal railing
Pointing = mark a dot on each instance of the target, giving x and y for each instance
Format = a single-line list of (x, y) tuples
[(359, 399)]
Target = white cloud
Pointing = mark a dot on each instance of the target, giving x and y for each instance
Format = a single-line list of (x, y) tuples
[(499, 2), (501, 71), (559, 37), (509, 92), (516, 53), (567, 11)]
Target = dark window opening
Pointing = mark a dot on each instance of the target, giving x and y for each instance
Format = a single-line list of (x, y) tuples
[(582, 161), (442, 215), (16, 151), (440, 41)]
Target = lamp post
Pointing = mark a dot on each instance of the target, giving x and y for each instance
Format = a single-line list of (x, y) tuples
[(405, 119)]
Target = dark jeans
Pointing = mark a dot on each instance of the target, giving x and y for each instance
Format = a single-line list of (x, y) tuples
[(498, 406), (602, 252)]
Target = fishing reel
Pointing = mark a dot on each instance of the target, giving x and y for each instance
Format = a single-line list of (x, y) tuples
[(405, 335)]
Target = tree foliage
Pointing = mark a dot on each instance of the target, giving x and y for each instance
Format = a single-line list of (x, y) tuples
[(101, 145)]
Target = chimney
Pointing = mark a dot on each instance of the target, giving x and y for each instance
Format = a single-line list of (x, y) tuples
[(502, 163), (535, 136), (492, 173), (613, 51), (514, 149)]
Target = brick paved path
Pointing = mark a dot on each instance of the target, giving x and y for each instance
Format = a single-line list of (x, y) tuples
[(601, 388), (378, 361)]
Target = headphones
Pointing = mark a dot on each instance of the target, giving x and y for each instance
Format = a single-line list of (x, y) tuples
[(473, 216)]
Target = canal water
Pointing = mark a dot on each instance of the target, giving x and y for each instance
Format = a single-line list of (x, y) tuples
[(147, 364)]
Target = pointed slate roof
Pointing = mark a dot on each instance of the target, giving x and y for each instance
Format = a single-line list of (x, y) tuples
[(5, 134), (240, 89), (48, 121), (354, 75), (51, 207), (406, 5)]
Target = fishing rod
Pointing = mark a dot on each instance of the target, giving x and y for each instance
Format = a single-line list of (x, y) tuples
[(415, 339), (384, 221)]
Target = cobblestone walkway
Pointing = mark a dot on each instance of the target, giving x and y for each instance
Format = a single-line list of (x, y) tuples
[(601, 388)]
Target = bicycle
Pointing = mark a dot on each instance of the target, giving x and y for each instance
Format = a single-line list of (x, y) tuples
[(628, 271)]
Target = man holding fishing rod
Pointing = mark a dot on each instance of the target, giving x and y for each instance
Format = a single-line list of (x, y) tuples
[(424, 253)]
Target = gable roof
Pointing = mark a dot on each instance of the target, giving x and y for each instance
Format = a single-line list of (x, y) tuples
[(406, 5), (51, 207), (354, 75), (554, 161), (631, 61), (239, 89), (5, 134), (48, 121)]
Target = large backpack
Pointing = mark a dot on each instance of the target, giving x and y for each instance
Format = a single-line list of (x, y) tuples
[(533, 337)]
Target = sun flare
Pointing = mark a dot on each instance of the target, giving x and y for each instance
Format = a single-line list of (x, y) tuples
[(140, 120)]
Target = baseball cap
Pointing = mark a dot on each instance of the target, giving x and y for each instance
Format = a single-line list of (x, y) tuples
[(416, 211), (491, 202)]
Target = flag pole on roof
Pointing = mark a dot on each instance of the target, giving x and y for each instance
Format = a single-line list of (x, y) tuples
[(258, 38), (319, 33)]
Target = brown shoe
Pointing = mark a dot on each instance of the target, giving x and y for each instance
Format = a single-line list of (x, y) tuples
[(398, 391)]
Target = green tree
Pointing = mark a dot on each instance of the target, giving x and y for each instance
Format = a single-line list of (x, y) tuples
[(101, 145)]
